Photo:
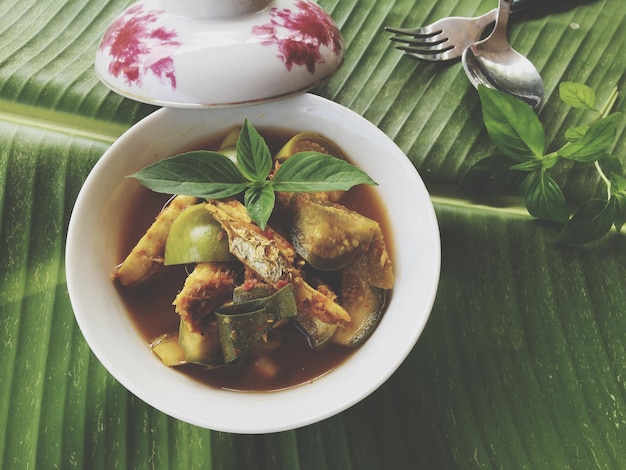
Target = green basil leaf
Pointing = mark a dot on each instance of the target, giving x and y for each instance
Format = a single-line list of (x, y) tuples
[(618, 195), (610, 165), (202, 173), (491, 175), (548, 161), (529, 165), (618, 184), (577, 95), (512, 124), (314, 171), (253, 154), (545, 200), (619, 203), (592, 220), (596, 141), (259, 201), (576, 133)]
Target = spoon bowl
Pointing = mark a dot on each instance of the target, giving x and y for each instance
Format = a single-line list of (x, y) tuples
[(494, 63)]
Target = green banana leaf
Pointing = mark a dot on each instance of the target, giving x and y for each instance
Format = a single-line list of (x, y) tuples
[(523, 361)]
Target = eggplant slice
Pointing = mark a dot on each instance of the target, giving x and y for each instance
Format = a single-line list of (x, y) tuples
[(365, 304)]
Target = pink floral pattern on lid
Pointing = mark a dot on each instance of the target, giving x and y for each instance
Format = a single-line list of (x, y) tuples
[(138, 47), (300, 34)]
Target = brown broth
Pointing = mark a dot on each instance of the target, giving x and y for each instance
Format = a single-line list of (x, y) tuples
[(268, 366)]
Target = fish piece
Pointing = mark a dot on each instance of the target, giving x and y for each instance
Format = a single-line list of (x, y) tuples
[(209, 286), (268, 254), (146, 259), (272, 258)]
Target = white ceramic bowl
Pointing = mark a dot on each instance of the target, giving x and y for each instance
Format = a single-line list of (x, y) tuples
[(97, 221)]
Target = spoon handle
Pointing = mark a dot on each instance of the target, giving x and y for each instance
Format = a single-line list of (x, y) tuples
[(499, 34)]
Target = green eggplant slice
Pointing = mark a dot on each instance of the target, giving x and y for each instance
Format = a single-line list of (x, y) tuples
[(328, 236), (196, 237), (318, 333), (365, 304), (167, 349), (201, 347)]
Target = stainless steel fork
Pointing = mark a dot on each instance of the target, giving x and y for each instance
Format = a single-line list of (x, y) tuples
[(447, 38)]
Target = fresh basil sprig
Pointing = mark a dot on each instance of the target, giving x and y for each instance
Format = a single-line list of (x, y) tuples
[(212, 175), (517, 132)]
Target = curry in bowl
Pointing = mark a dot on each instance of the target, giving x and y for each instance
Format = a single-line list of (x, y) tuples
[(251, 304)]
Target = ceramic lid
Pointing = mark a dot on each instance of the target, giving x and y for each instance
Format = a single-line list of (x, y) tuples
[(215, 53)]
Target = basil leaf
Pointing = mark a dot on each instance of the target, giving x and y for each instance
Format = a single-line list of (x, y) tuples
[(548, 161), (529, 165), (596, 141), (544, 198), (253, 155), (314, 171), (618, 195), (610, 165), (592, 220), (512, 124), (259, 201), (577, 95), (619, 203), (491, 175), (202, 173), (618, 184), (576, 133)]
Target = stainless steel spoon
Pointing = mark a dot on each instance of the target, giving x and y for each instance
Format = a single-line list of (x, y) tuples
[(494, 63)]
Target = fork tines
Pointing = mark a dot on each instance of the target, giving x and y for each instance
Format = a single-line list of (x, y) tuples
[(426, 44)]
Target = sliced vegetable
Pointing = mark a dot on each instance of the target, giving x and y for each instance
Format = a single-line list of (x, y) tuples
[(241, 325), (317, 332), (145, 261), (244, 293), (364, 303), (166, 347), (306, 142), (327, 235), (230, 152), (374, 265), (228, 147), (230, 139), (196, 237), (201, 347)]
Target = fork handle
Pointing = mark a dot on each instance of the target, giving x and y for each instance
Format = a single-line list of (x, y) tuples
[(518, 5)]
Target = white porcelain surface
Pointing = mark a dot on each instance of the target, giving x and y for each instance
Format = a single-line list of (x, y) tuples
[(95, 228), (214, 53)]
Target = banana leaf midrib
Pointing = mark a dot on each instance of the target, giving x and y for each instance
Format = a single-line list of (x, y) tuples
[(60, 122), (105, 132)]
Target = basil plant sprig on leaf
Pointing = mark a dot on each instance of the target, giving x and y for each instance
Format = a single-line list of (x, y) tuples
[(518, 134), (212, 175)]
